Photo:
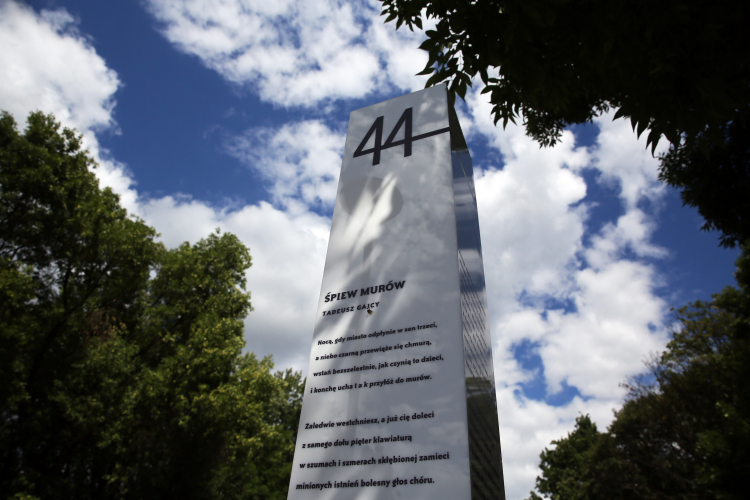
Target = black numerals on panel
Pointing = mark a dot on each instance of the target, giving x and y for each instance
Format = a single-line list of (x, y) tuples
[(377, 129)]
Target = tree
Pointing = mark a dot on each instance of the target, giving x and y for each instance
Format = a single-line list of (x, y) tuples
[(684, 430), (675, 68), (564, 467), (715, 179), (121, 360)]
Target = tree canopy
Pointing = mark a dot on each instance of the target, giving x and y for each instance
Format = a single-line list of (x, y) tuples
[(675, 68), (672, 67), (684, 430), (121, 360), (716, 181)]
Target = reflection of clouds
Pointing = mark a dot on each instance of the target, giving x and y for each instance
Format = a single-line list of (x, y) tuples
[(448, 434)]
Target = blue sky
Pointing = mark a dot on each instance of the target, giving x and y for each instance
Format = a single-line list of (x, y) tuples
[(232, 114)]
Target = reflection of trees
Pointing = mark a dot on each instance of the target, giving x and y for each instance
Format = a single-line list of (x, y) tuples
[(484, 439)]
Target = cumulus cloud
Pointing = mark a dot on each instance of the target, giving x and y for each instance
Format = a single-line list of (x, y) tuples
[(49, 65), (294, 52), (584, 301), (300, 161), (589, 309), (625, 161)]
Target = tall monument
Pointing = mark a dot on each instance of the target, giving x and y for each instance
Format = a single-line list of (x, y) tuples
[(400, 395)]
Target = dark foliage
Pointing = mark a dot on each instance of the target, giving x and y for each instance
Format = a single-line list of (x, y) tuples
[(672, 67), (121, 360), (684, 431), (714, 177)]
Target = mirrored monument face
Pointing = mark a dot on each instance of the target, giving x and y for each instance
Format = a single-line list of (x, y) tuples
[(400, 396)]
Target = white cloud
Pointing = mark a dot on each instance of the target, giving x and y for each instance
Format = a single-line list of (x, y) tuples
[(531, 214), (300, 161), (586, 302), (607, 337), (533, 227), (49, 65), (625, 164), (625, 161), (295, 52)]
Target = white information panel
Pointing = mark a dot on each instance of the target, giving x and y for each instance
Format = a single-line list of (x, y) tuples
[(384, 412)]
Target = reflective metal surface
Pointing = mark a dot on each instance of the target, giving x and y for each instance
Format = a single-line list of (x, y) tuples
[(484, 435), (389, 364)]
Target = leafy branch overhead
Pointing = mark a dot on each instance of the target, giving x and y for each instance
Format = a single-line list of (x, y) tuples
[(674, 68)]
